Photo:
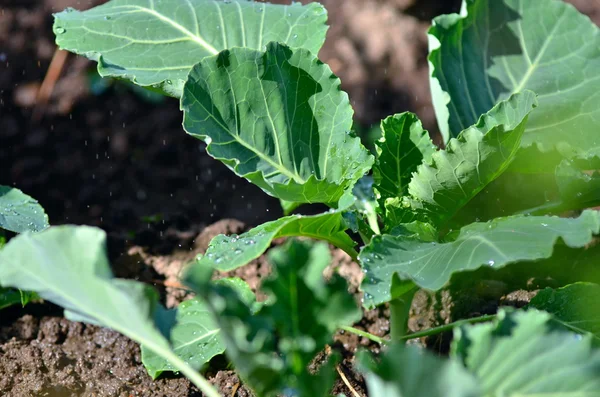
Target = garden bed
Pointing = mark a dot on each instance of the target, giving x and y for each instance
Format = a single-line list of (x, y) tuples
[(111, 157)]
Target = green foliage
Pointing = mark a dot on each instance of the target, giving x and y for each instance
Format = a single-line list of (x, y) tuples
[(53, 264), (155, 43), (230, 252), (519, 354), (515, 87), (480, 154), (503, 47), (574, 305), (273, 348), (403, 146), (194, 335), (497, 243), (278, 119), (20, 212)]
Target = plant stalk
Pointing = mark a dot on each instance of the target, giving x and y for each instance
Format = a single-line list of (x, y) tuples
[(449, 327), (399, 313), (364, 334)]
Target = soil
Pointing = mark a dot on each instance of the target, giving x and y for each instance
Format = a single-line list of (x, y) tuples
[(111, 157)]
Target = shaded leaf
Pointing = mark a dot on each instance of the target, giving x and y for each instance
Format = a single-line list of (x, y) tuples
[(522, 354), (10, 296), (230, 252), (498, 48), (404, 145), (277, 118), (480, 154), (20, 212), (156, 43), (494, 244), (194, 335), (273, 348), (575, 305), (408, 371)]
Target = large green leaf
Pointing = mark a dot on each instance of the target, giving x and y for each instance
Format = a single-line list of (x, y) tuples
[(575, 305), (506, 46), (522, 354), (68, 266), (494, 244), (273, 348), (404, 145), (480, 154), (156, 42), (20, 212), (277, 118), (230, 252), (412, 372)]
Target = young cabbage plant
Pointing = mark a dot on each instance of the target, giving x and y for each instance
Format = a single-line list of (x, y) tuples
[(520, 132), (516, 124)]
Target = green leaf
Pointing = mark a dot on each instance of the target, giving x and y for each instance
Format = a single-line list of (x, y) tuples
[(408, 371), (495, 244), (10, 296), (67, 266), (272, 349), (575, 306), (503, 47), (577, 189), (480, 154), (277, 118), (404, 145), (519, 354), (226, 253), (19, 212), (194, 339), (522, 354), (195, 335), (155, 43)]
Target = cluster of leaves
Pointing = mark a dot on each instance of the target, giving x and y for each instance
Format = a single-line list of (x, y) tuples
[(516, 91)]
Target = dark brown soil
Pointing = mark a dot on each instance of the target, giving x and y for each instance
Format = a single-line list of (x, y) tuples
[(120, 160)]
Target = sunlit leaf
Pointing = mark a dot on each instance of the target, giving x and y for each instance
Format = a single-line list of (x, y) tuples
[(480, 154), (155, 43), (230, 252), (494, 244), (68, 266), (277, 118), (507, 46), (20, 212)]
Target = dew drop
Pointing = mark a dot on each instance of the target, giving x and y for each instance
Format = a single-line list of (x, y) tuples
[(60, 30), (491, 262)]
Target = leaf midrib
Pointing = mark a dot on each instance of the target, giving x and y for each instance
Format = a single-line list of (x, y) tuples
[(194, 37)]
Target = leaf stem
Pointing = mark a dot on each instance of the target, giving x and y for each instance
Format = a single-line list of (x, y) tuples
[(364, 334), (448, 327), (420, 334)]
